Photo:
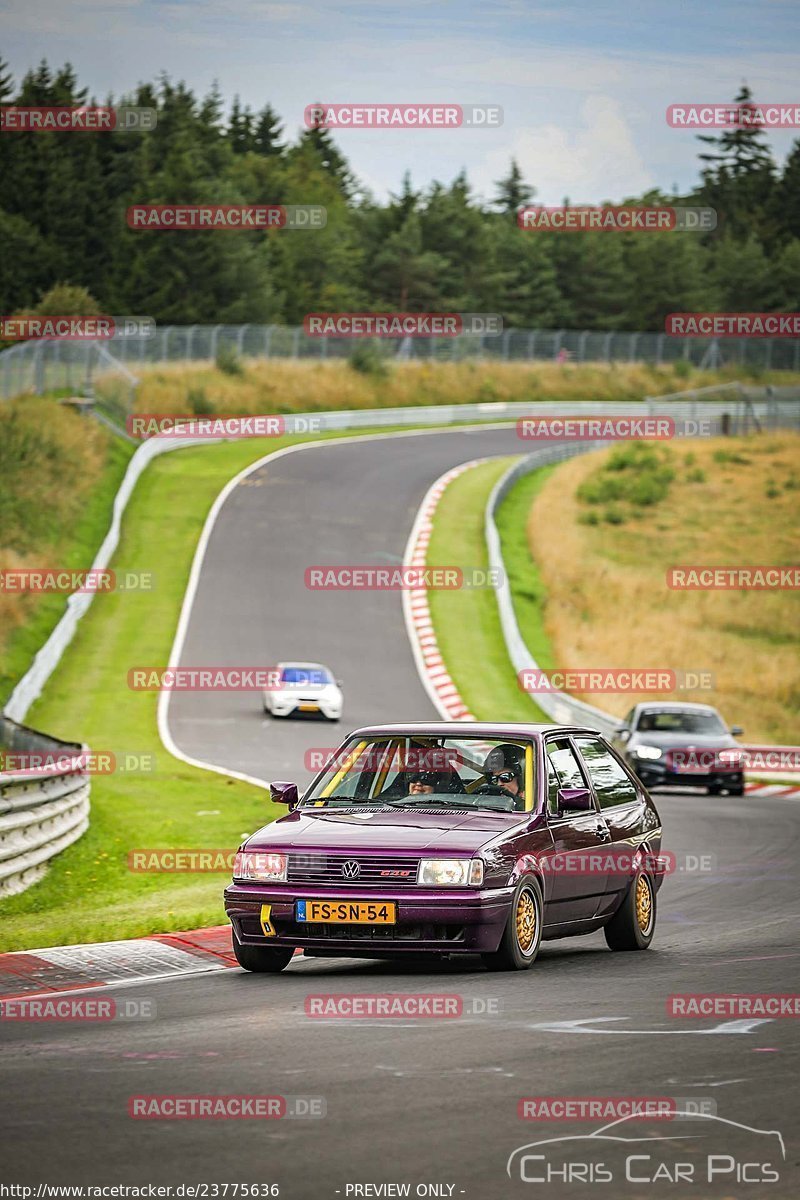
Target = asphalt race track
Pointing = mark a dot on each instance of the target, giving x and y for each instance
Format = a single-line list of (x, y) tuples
[(351, 503), (425, 1101)]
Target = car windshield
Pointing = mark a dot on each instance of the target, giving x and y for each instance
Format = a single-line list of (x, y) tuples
[(667, 721), (489, 774), (306, 676)]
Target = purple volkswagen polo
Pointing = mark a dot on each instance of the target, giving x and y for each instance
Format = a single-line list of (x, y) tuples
[(451, 838)]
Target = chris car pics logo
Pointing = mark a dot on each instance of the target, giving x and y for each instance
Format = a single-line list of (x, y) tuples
[(695, 1148)]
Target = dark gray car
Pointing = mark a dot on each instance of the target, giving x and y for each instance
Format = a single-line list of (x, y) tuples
[(681, 745)]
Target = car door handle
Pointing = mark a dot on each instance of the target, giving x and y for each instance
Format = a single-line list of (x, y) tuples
[(603, 832)]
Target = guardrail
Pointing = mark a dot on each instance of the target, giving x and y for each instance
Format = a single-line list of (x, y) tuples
[(41, 813), (562, 708)]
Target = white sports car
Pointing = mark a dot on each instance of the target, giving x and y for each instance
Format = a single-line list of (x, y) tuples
[(305, 687)]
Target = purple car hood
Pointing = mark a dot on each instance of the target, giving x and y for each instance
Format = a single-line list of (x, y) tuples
[(403, 831)]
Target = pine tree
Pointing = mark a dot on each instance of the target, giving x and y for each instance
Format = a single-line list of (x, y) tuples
[(512, 191), (267, 134), (739, 176)]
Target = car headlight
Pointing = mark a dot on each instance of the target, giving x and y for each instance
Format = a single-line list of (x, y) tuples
[(451, 872), (647, 752), (263, 865)]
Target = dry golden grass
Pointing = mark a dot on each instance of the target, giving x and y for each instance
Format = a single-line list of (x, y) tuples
[(50, 461), (609, 605), (280, 385)]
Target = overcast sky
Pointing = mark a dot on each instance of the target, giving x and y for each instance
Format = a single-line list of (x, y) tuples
[(584, 84)]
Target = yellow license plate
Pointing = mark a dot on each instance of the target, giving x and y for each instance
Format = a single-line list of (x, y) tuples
[(308, 707), (347, 912)]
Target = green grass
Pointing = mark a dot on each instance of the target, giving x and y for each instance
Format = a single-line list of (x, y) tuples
[(77, 549), (527, 589), (88, 894), (638, 475), (466, 621)]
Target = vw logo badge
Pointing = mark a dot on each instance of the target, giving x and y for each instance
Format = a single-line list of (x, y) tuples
[(351, 870)]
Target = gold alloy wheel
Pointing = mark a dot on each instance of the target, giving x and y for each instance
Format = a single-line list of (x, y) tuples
[(644, 903), (526, 922)]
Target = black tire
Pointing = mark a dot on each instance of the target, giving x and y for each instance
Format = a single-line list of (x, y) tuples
[(264, 960), (516, 952), (627, 929), (715, 790)]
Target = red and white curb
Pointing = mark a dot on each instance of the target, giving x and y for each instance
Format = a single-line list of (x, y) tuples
[(416, 609), (73, 968), (787, 791)]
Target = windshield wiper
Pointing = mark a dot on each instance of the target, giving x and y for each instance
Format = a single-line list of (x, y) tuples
[(413, 801)]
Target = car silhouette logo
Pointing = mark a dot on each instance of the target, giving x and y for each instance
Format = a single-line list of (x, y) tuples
[(351, 870)]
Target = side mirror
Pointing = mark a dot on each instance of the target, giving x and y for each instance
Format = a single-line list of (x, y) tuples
[(575, 799), (736, 730), (624, 733), (283, 793), (339, 683)]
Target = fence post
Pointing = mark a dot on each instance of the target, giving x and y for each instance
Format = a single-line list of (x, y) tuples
[(632, 353), (296, 341), (607, 347), (240, 339), (582, 345), (214, 340), (531, 344), (267, 340), (37, 368), (659, 348)]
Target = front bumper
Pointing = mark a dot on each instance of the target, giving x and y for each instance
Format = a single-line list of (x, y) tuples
[(464, 920), (654, 773), (287, 706)]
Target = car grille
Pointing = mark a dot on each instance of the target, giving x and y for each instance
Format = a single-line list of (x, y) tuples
[(373, 871), (302, 931)]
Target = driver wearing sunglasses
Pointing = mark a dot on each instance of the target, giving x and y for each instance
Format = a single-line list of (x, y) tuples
[(504, 768)]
